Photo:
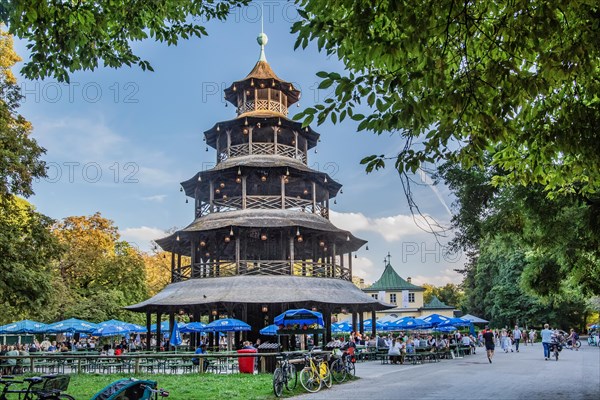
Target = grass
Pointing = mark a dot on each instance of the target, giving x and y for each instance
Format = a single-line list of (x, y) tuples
[(184, 387), (189, 386)]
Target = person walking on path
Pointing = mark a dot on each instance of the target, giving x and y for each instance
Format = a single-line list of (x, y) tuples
[(488, 338), (517, 335), (532, 336), (573, 337), (546, 340)]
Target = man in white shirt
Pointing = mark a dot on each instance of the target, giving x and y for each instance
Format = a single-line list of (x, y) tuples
[(517, 335)]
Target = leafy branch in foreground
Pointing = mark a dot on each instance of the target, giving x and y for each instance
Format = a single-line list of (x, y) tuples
[(517, 79)]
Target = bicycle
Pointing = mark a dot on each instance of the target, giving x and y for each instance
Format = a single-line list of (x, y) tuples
[(315, 374), (342, 367), (555, 348), (569, 344), (285, 374), (47, 387)]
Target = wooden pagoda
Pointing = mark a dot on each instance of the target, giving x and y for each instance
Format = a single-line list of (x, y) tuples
[(261, 241)]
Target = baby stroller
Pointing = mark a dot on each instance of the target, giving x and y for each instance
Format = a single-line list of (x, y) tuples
[(131, 389)]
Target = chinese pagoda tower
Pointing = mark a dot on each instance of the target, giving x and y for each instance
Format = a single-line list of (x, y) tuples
[(261, 241)]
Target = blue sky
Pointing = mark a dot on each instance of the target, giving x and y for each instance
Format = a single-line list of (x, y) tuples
[(120, 141)]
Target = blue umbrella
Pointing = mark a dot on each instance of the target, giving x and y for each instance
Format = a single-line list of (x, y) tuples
[(193, 327), (129, 326), (378, 325), (455, 322), (299, 316), (164, 327), (227, 325), (72, 325), (445, 328), (111, 330), (435, 319), (410, 323), (22, 327), (175, 336), (342, 327), (270, 330)]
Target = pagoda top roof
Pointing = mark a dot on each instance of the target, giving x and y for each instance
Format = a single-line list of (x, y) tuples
[(265, 77), (391, 281)]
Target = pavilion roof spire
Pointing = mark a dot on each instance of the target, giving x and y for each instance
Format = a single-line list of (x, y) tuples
[(262, 38)]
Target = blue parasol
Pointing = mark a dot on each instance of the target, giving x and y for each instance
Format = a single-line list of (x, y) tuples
[(270, 330), (25, 326), (407, 323), (435, 319), (445, 328), (455, 322), (227, 325), (175, 339), (193, 327), (111, 330), (129, 326), (342, 327), (164, 327), (299, 316), (72, 325)]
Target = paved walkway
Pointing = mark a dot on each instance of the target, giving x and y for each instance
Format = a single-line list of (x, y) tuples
[(524, 375)]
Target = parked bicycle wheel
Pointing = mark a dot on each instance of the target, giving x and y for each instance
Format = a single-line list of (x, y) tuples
[(351, 368), (325, 373), (310, 380), (577, 344), (292, 378), (338, 370), (278, 382)]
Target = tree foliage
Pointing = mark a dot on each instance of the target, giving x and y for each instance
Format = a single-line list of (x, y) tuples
[(100, 273), (158, 271), (66, 36), (28, 250), (19, 154), (450, 294), (528, 255), (518, 79)]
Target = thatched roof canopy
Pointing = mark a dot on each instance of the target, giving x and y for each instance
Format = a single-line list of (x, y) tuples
[(209, 292)]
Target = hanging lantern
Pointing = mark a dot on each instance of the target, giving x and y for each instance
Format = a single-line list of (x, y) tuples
[(234, 88), (279, 121), (263, 236), (218, 129), (224, 197), (227, 239), (273, 82), (186, 201), (347, 238), (245, 131), (214, 312), (207, 254), (262, 85), (258, 124), (239, 171), (321, 243), (325, 249), (305, 191), (341, 191), (264, 308), (355, 256), (199, 178), (251, 82), (334, 201), (367, 248), (238, 180), (177, 238), (263, 178), (217, 190), (246, 121), (181, 189), (287, 172), (298, 231), (202, 243), (222, 184), (300, 239), (325, 180), (231, 231)]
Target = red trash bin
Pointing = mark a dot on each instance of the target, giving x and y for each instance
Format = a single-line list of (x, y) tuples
[(246, 363)]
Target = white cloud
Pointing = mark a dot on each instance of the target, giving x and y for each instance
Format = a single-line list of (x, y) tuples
[(159, 198), (392, 229), (142, 237), (363, 268), (446, 276)]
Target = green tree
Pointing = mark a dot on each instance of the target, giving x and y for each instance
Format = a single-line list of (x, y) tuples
[(66, 36), (19, 153), (28, 250), (518, 79), (100, 273), (449, 294)]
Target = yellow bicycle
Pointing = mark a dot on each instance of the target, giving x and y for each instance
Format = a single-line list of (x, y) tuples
[(315, 374)]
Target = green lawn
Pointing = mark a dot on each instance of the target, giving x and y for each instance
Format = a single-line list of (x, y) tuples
[(187, 387)]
